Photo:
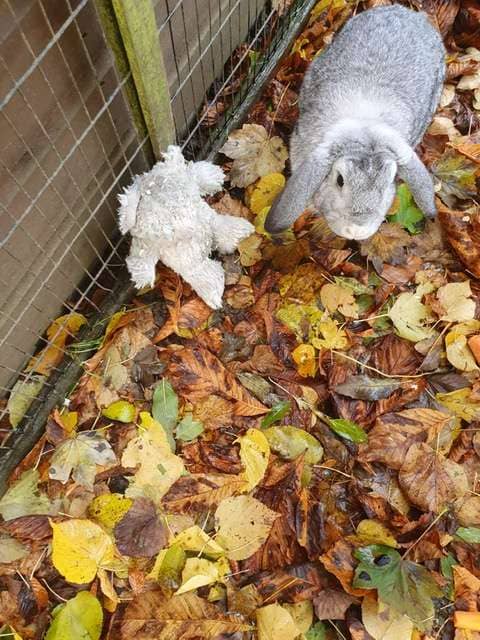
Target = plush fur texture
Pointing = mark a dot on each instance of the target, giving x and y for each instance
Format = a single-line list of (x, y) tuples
[(365, 103), (164, 212)]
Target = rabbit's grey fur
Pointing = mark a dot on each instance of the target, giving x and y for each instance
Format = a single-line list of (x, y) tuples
[(365, 103)]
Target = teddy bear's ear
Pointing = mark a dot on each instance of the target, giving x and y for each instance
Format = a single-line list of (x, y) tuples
[(208, 176), (127, 213)]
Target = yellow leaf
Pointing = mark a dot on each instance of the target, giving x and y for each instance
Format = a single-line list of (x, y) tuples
[(108, 590), (199, 572), (265, 191), (69, 420), (409, 316), (304, 357), (79, 549), (243, 524), (254, 454), (58, 333), (456, 346), (21, 397), (113, 323), (332, 336), (158, 467), (467, 620), (383, 622), (274, 622), (374, 532), (302, 614), (460, 404), (196, 540), (455, 298), (259, 222), (249, 250), (120, 410), (335, 297), (109, 508)]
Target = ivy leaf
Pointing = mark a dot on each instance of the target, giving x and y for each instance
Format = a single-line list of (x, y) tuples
[(165, 408), (80, 617), (348, 430), (404, 585), (276, 413), (188, 428), (406, 213)]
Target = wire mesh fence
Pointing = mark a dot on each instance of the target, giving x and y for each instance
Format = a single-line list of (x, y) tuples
[(70, 143)]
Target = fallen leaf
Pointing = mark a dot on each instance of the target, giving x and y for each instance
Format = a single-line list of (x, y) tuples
[(462, 232), (394, 433), (291, 442), (405, 212), (79, 549), (21, 396), (165, 408), (254, 153), (140, 533), (331, 604), (460, 404), (468, 620), (457, 176), (274, 622), (196, 540), (467, 511), (11, 549), (188, 429), (469, 534), (249, 250), (158, 467), (409, 316), (58, 333), (456, 346), (374, 532), (265, 191), (335, 297), (404, 585), (332, 336), (121, 410), (348, 430), (383, 622), (254, 454), (362, 387), (197, 373), (80, 617), (242, 537), (200, 492), (455, 298), (388, 244), (431, 481), (168, 567), (108, 509), (276, 413), (24, 498), (199, 572), (79, 457), (153, 616), (305, 358)]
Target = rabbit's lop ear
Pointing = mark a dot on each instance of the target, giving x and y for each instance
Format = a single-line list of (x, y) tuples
[(300, 187), (420, 184)]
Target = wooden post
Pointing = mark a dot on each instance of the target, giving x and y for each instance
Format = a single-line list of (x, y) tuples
[(131, 31)]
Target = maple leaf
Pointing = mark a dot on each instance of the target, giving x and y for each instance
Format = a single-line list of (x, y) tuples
[(404, 585), (254, 153), (335, 297), (388, 244)]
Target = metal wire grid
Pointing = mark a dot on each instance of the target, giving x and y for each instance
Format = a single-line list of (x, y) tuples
[(223, 51), (83, 150)]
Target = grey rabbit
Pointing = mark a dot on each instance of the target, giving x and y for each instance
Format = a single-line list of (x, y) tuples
[(365, 104)]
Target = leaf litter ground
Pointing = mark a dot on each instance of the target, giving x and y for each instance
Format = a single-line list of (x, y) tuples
[(304, 463)]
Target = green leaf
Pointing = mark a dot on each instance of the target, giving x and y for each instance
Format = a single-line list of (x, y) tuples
[(168, 566), (407, 214), (165, 408), (80, 617), (188, 428), (317, 632), (291, 442), (469, 534), (353, 284), (348, 429), (21, 397), (276, 413), (446, 565), (404, 585), (24, 498), (121, 410), (458, 176)]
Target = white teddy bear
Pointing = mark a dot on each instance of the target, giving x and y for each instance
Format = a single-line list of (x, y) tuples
[(164, 212)]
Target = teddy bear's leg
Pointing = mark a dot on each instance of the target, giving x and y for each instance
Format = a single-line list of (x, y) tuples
[(228, 231), (205, 276), (141, 264)]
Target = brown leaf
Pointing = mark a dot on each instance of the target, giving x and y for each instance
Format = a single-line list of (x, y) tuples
[(196, 373), (394, 433), (467, 589), (29, 527), (467, 511), (395, 356), (140, 534), (156, 616), (200, 492), (295, 583), (214, 412), (339, 561), (232, 207), (388, 244), (332, 604), (442, 13), (431, 481), (463, 233)]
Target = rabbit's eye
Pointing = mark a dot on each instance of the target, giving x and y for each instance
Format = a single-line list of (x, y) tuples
[(340, 180)]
